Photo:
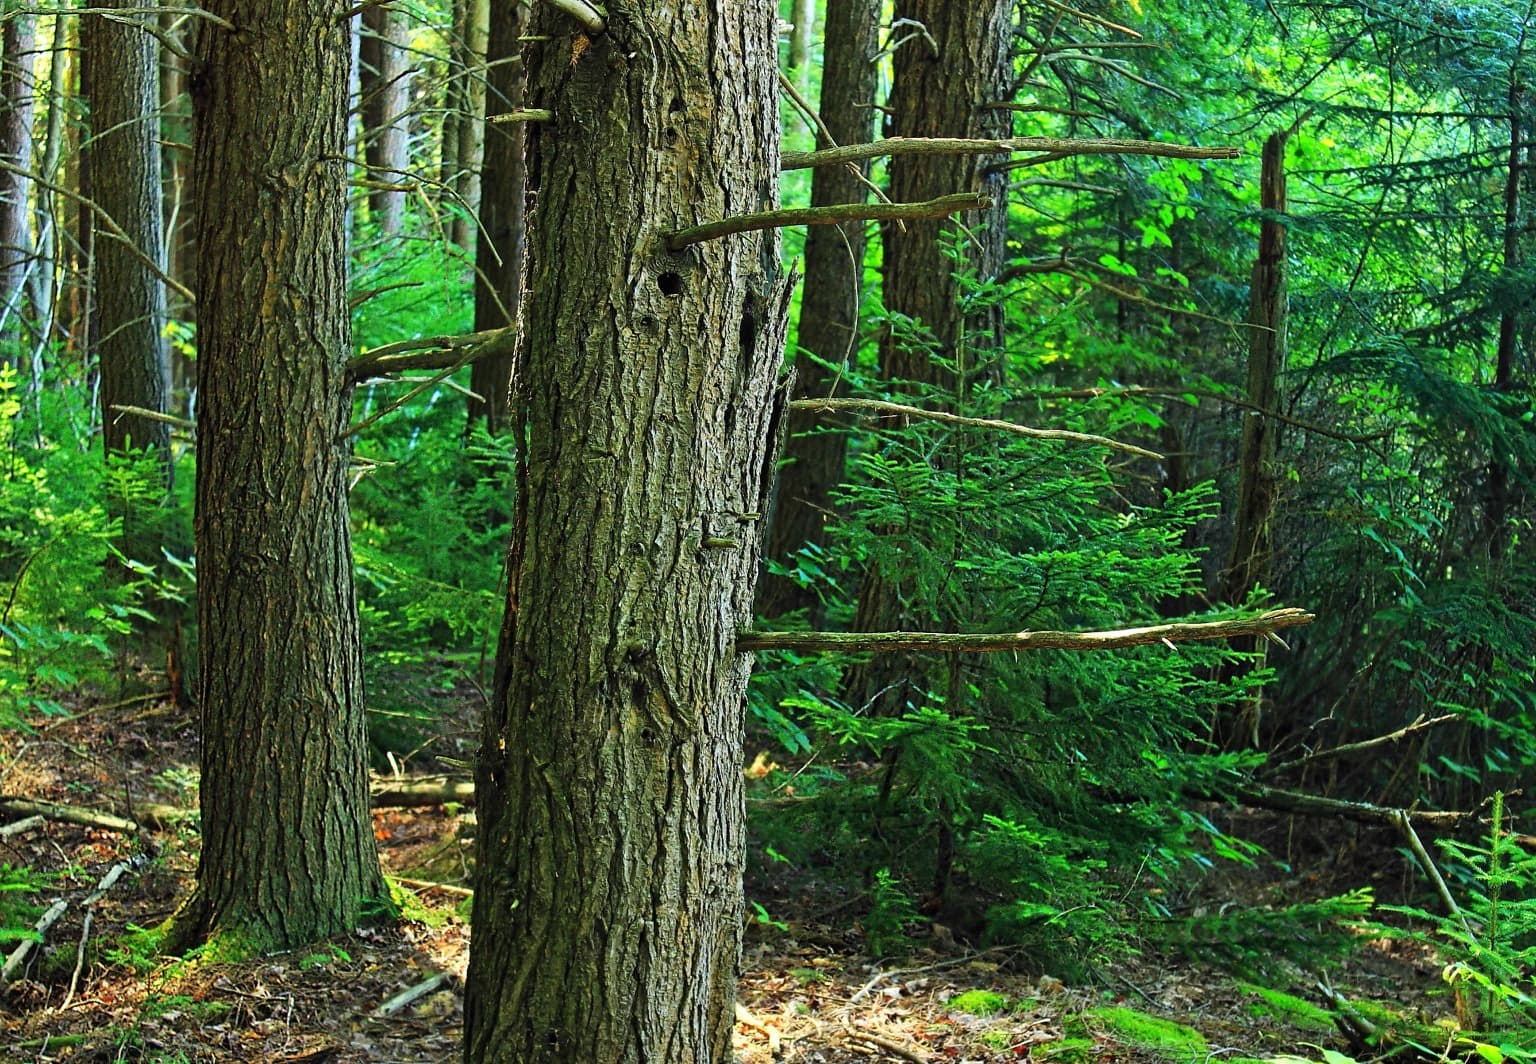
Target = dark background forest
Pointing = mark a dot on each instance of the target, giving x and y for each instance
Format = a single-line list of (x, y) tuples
[(1182, 418)]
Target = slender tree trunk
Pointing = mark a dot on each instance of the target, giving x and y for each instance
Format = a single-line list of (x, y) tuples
[(829, 307), (176, 162), (44, 280), (801, 40), (386, 94), (122, 75), (288, 854), (944, 81), (1248, 565), (499, 254), (17, 255), (469, 129), (608, 901), (1496, 511), (953, 66)]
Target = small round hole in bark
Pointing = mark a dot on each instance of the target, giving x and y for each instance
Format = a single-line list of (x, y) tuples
[(671, 284)]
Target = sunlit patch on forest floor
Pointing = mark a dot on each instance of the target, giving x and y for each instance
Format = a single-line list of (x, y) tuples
[(808, 993)]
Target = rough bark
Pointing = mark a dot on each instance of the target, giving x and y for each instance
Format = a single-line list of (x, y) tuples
[(943, 81), (386, 94), (122, 78), (829, 307), (499, 254), (288, 853), (608, 903), (16, 109)]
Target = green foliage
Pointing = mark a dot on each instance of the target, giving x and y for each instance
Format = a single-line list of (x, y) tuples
[(1491, 944), (891, 916), (1260, 943), (17, 911), (978, 1003), (1162, 1038), (67, 593)]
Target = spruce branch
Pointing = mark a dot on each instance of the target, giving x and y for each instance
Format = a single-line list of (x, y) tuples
[(964, 643)]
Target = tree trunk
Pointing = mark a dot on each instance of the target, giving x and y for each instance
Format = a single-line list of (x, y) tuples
[(122, 77), (1496, 511), (801, 38), (17, 258), (44, 280), (499, 255), (469, 129), (176, 159), (1248, 566), (288, 854), (386, 94), (954, 64), (829, 305), (944, 81), (608, 901)]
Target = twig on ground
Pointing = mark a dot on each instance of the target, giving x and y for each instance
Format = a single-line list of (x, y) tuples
[(20, 826), (890, 1045), (73, 814), (428, 884), (405, 997), (775, 1040), (18, 955)]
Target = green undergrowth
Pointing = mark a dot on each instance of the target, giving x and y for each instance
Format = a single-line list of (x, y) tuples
[(1164, 1038)]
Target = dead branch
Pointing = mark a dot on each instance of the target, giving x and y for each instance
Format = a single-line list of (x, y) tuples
[(1056, 147), (432, 352), (20, 826), (18, 955), (1334, 753), (415, 791), (831, 215), (876, 406), (944, 642), (410, 994), (72, 814), (1288, 801)]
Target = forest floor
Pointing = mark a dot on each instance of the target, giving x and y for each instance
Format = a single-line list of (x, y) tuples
[(808, 992)]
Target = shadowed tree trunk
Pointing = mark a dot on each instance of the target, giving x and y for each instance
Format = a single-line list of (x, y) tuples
[(122, 75), (608, 901), (954, 63), (1248, 565), (945, 77), (16, 108), (288, 853), (386, 94), (499, 253), (829, 306)]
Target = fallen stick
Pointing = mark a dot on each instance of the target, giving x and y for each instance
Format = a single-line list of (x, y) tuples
[(18, 955), (890, 1045), (73, 814), (405, 997), (27, 824)]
